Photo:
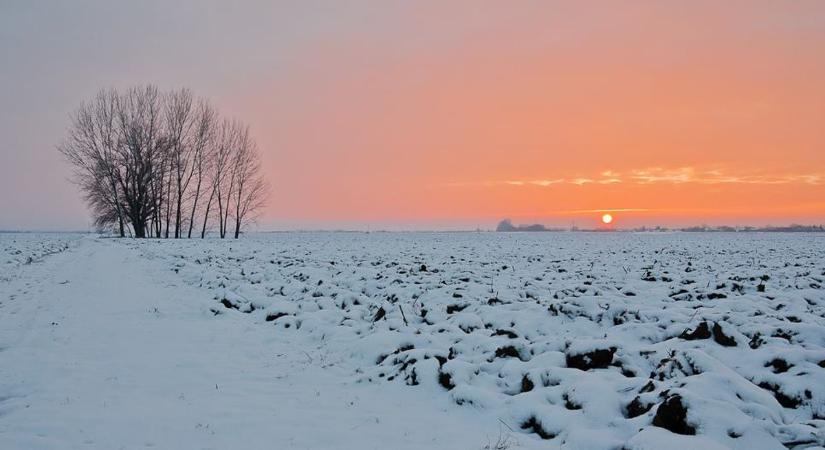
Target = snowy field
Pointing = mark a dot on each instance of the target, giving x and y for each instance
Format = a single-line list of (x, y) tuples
[(414, 340)]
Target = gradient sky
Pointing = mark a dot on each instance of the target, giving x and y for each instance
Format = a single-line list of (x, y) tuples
[(449, 114)]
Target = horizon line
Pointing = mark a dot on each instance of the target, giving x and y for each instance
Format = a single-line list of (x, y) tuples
[(573, 228)]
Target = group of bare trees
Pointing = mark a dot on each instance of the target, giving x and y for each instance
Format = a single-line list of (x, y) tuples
[(163, 164)]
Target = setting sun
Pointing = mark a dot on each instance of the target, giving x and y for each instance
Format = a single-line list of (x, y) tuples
[(607, 219)]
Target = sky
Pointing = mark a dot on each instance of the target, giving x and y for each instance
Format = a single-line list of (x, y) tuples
[(448, 114)]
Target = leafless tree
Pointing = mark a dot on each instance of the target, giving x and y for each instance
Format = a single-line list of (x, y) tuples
[(141, 145), (180, 120), (203, 153), (144, 159), (225, 175), (250, 188), (91, 148), (224, 142)]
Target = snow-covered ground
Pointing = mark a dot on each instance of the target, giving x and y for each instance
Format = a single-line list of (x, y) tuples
[(414, 340), (26, 248)]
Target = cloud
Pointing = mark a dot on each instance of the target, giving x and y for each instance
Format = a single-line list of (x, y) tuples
[(659, 175), (546, 183), (581, 181), (690, 175)]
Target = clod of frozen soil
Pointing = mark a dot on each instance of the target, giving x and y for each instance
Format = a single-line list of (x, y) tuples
[(506, 333), (595, 359), (701, 332), (779, 365), (275, 316), (508, 351), (526, 384), (533, 424), (785, 400), (672, 415), (721, 338), (636, 408), (445, 380), (227, 304)]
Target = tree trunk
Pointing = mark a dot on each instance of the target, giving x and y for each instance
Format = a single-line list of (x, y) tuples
[(206, 214), (140, 228), (178, 212), (194, 208), (221, 230), (168, 204)]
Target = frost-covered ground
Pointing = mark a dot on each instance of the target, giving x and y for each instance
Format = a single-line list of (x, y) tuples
[(417, 340)]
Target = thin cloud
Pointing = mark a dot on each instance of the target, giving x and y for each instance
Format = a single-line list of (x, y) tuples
[(659, 175), (546, 183), (690, 175), (582, 181)]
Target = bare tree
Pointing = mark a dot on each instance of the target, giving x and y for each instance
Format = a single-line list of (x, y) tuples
[(180, 120), (250, 188), (144, 160), (226, 189), (221, 161), (203, 145), (91, 147), (140, 146)]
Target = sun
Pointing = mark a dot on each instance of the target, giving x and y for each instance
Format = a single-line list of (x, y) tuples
[(607, 219)]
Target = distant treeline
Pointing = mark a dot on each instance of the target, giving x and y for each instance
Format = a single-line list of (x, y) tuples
[(507, 226), (160, 164)]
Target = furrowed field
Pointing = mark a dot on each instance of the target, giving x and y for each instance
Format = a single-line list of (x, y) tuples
[(350, 340)]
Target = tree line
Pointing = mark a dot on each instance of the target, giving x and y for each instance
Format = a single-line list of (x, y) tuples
[(163, 164)]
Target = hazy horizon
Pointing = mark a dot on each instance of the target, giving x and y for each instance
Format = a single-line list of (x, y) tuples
[(435, 227), (443, 116)]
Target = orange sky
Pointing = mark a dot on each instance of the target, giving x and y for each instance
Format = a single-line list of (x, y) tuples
[(455, 114), (695, 114)]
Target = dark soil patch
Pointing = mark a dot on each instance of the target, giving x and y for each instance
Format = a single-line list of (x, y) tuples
[(756, 341), (779, 365), (721, 338), (446, 380), (526, 384), (672, 415), (701, 332), (275, 316), (508, 351), (648, 387), (636, 408), (596, 359), (534, 425), (229, 305), (570, 404), (785, 400), (508, 333), (780, 333)]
